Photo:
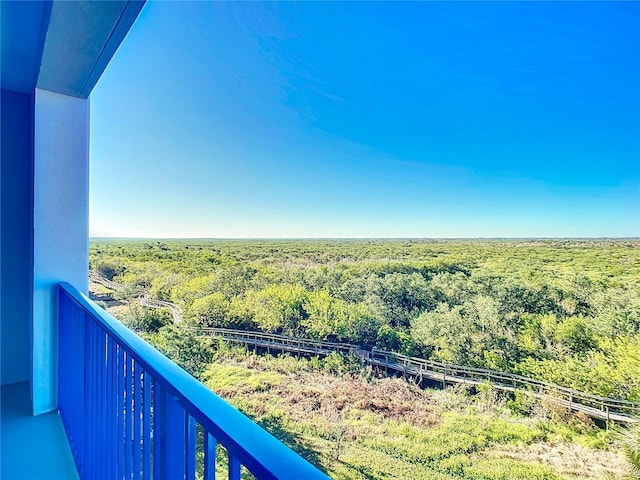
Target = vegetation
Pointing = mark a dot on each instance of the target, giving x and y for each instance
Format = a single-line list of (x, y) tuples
[(564, 311), (630, 438), (354, 425)]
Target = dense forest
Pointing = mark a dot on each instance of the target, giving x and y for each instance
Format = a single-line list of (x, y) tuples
[(564, 311)]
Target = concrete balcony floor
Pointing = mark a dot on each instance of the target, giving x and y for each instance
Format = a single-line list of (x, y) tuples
[(31, 447)]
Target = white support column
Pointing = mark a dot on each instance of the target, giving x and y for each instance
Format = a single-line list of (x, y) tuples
[(61, 222)]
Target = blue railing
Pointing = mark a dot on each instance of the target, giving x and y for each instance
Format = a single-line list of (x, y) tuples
[(131, 413)]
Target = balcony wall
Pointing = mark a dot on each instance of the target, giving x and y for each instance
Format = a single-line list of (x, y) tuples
[(53, 53), (16, 123)]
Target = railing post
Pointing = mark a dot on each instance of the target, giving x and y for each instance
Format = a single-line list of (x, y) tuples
[(209, 456), (159, 432), (120, 412), (234, 467), (190, 447), (137, 425), (101, 404), (146, 426), (128, 416), (175, 418), (88, 400)]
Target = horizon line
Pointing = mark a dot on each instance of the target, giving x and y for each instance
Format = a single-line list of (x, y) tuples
[(366, 238)]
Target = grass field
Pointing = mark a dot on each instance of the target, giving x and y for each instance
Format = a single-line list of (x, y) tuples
[(357, 426)]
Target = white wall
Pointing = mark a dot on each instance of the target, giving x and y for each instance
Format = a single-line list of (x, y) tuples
[(61, 219)]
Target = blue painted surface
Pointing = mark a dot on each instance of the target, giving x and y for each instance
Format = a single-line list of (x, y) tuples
[(90, 340), (146, 427), (32, 447), (17, 237), (63, 47), (24, 25), (210, 446), (191, 447)]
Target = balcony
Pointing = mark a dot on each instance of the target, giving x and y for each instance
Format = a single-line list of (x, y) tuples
[(131, 413), (24, 436), (82, 396)]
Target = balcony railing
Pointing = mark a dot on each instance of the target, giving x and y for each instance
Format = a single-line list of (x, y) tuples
[(131, 413)]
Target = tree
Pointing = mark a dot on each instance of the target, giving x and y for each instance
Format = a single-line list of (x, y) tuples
[(362, 324), (108, 269), (576, 335), (211, 311), (325, 316), (444, 331), (278, 308), (183, 347), (141, 319)]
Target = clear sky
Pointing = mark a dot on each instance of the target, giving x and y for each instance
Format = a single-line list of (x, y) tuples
[(418, 119)]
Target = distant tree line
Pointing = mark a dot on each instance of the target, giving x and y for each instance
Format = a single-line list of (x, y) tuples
[(561, 311)]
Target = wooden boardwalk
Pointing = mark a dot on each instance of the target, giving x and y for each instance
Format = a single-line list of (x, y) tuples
[(100, 280), (601, 408), (175, 310), (144, 300), (278, 343)]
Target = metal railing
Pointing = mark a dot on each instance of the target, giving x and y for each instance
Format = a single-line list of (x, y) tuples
[(131, 413)]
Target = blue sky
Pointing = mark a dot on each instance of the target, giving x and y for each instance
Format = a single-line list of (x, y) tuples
[(418, 119)]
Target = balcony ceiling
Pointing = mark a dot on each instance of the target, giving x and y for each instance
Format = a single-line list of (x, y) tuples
[(23, 27), (63, 46)]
